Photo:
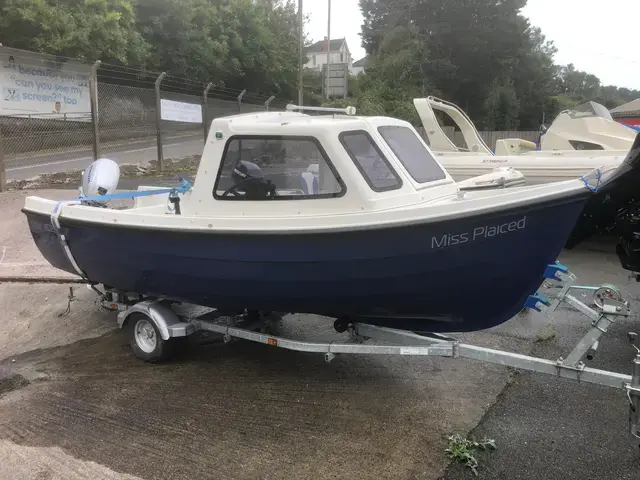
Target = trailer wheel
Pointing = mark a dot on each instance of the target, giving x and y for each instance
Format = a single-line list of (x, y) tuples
[(146, 341)]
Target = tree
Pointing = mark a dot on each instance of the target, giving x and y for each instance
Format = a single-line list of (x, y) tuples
[(573, 87), (231, 42), (502, 106), (241, 44), (466, 46), (533, 74), (85, 29), (396, 76)]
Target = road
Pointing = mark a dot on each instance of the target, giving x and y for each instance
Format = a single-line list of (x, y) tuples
[(133, 152)]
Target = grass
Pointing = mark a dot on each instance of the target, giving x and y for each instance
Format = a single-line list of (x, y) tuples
[(463, 450)]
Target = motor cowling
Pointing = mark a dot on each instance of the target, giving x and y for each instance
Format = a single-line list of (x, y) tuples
[(249, 178), (100, 178)]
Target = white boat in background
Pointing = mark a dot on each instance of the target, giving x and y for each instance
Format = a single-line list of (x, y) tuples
[(599, 142), (584, 130)]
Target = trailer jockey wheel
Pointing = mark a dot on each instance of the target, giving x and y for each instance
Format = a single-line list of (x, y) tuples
[(606, 291), (145, 339)]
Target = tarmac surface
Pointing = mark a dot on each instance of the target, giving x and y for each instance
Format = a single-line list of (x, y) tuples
[(75, 403), (556, 429), (134, 152)]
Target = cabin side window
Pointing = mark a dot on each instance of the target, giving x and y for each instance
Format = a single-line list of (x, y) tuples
[(370, 161), (276, 168), (406, 145)]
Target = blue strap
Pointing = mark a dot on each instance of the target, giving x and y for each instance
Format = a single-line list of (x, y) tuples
[(184, 187), (598, 177)]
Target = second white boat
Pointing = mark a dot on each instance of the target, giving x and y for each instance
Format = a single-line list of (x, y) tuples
[(537, 166)]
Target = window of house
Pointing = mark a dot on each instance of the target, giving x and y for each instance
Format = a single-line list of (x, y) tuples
[(411, 152), (276, 168), (341, 57), (371, 162), (314, 60)]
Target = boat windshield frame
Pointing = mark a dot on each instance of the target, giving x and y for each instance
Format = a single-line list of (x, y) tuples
[(589, 110), (356, 158), (423, 170), (337, 178)]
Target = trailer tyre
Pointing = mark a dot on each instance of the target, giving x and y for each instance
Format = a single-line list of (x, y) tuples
[(146, 341)]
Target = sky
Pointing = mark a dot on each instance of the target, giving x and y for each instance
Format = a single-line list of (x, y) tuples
[(598, 37)]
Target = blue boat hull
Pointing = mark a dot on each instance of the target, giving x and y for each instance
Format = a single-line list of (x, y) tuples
[(464, 275)]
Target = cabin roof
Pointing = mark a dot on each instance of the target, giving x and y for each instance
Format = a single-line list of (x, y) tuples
[(295, 123), (325, 129)]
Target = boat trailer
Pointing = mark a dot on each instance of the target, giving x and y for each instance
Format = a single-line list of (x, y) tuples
[(157, 325)]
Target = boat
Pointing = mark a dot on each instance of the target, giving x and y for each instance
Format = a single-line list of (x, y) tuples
[(584, 129), (578, 141), (349, 217)]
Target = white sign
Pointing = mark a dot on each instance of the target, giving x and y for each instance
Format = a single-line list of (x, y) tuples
[(37, 84), (180, 111)]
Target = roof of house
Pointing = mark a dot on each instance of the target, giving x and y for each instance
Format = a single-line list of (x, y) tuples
[(363, 62), (321, 45), (628, 108)]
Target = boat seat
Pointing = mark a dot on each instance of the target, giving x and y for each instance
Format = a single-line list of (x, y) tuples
[(309, 183)]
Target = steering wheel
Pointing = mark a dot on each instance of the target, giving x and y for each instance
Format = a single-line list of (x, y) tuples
[(234, 188)]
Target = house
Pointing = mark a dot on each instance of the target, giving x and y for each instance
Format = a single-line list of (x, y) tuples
[(317, 54), (628, 114), (359, 66)]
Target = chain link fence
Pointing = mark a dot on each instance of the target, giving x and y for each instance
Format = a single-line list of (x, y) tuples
[(57, 114)]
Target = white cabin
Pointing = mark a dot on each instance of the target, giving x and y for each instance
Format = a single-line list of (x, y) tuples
[(324, 173)]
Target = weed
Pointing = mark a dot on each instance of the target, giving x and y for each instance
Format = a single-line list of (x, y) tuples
[(463, 450)]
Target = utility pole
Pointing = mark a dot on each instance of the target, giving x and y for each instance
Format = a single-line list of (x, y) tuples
[(328, 49), (301, 59)]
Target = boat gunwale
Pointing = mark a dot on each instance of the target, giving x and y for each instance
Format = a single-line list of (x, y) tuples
[(521, 207)]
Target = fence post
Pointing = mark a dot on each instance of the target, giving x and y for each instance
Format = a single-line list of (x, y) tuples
[(3, 172), (159, 121), (205, 110), (240, 100), (93, 98), (269, 100)]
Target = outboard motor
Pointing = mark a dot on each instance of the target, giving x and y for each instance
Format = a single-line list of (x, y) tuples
[(248, 178), (615, 207), (100, 178), (628, 247)]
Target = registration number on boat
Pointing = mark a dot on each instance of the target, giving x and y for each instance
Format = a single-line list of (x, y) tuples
[(482, 231)]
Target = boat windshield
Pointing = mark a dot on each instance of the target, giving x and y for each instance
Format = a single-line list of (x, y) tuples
[(370, 161), (412, 153), (276, 167), (590, 109)]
